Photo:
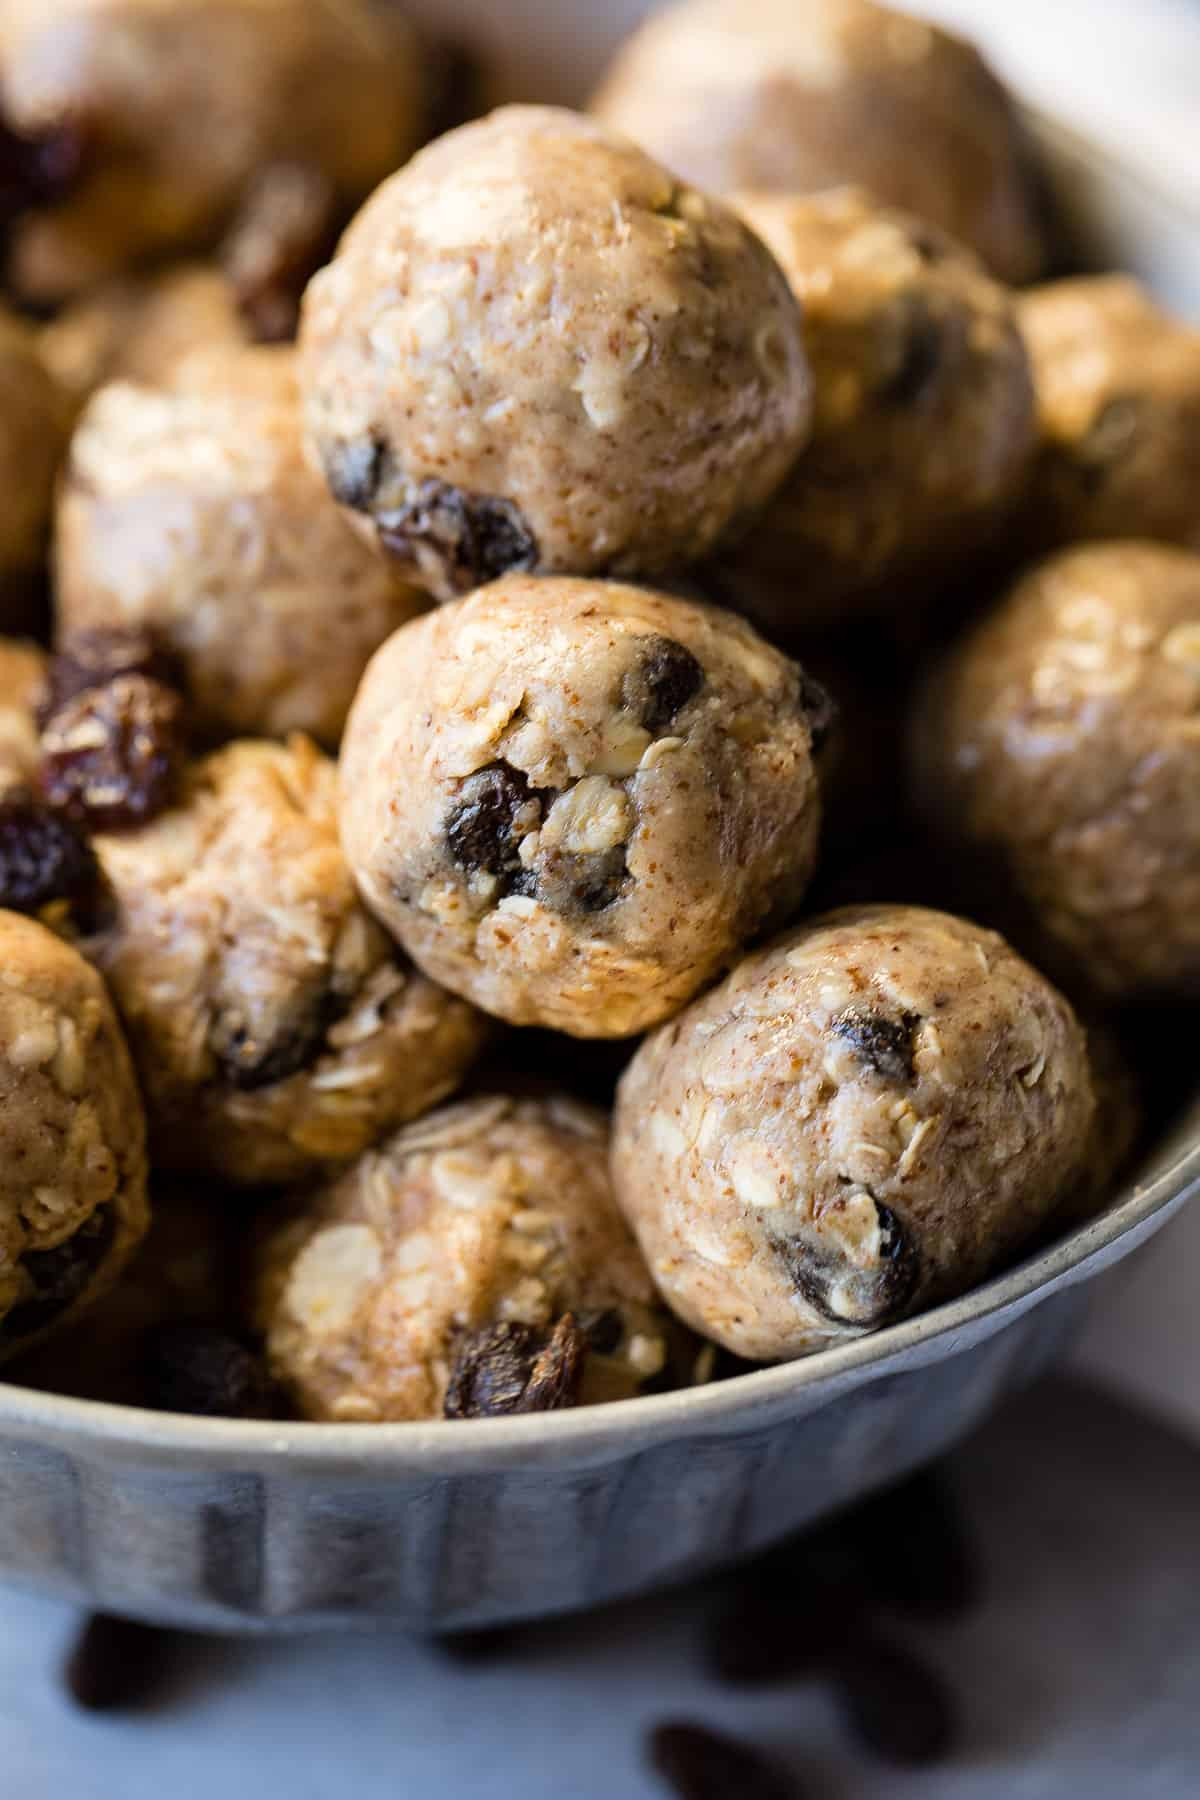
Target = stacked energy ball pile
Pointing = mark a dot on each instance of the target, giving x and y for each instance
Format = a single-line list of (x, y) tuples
[(612, 575)]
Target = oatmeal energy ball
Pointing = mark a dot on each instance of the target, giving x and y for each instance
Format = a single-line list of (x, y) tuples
[(1061, 744), (167, 108), (72, 1135), (474, 1264), (1118, 385), (33, 428), (795, 96), (861, 1120), (274, 1024), (924, 423), (21, 672), (189, 509), (573, 800), (536, 349)]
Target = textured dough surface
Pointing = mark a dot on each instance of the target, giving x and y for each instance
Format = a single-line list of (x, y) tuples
[(796, 97), (572, 800), (1062, 740), (861, 1120), (924, 422), (492, 1210), (190, 509), (22, 667), (274, 1024), (33, 430), (72, 1135), (537, 349)]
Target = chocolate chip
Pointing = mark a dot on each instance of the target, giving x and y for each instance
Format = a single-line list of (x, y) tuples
[(111, 755), (484, 829), (894, 1703), (884, 1044), (205, 1371), (1108, 440), (116, 1664), (93, 658), (44, 857), (819, 708), (60, 1276), (922, 353), (699, 1764), (511, 1368), (842, 1292), (660, 683), (353, 472), (462, 539), (284, 230)]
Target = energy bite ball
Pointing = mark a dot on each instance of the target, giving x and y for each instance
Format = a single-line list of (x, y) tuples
[(1118, 386), (771, 94), (536, 349), (176, 104), (274, 1024), (21, 672), (33, 429), (861, 1120), (924, 423), (72, 1135), (572, 800), (189, 509), (474, 1264), (1061, 743)]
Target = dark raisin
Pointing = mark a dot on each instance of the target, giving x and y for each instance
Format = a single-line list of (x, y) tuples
[(353, 472), (464, 539), (285, 229), (116, 1663), (44, 857), (37, 171), (587, 882), (93, 658), (482, 832), (846, 1295), (510, 1368), (885, 1045), (481, 1646), (603, 1330), (819, 708), (915, 1549), (60, 1276), (205, 1371), (699, 1764), (922, 353), (894, 1703), (249, 1062), (1108, 440), (111, 756), (660, 683)]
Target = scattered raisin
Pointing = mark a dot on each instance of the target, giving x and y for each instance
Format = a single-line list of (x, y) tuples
[(922, 353), (206, 1371), (787, 1612), (111, 755), (285, 229), (461, 538), (116, 1663), (93, 658), (510, 1368), (885, 1045), (819, 708), (480, 1646), (893, 1702), (660, 683), (485, 827), (44, 857), (699, 1764), (915, 1550)]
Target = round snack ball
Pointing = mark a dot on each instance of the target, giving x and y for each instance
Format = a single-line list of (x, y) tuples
[(1060, 742), (924, 424), (796, 97), (572, 800), (1118, 386), (22, 670), (274, 1024), (535, 349), (175, 105), (33, 430), (189, 509), (862, 1119), (432, 1276), (72, 1135)]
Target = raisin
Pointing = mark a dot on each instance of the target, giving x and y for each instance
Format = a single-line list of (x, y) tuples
[(353, 472), (661, 682), (819, 708), (111, 756), (116, 1663), (603, 1330), (922, 354), (37, 171), (464, 539), (699, 1764), (60, 1276), (485, 828), (1108, 440), (456, 85), (885, 1045), (248, 1062), (510, 1368), (93, 658), (589, 882), (285, 229), (915, 1550), (206, 1371), (479, 1646), (847, 1295), (44, 857), (894, 1703)]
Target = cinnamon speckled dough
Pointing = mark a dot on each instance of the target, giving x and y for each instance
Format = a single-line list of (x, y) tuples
[(535, 349), (796, 97), (274, 1025), (572, 800), (861, 1120), (1118, 383), (1062, 741), (496, 1210), (924, 423), (180, 102), (22, 667), (33, 431), (72, 1135), (189, 509)]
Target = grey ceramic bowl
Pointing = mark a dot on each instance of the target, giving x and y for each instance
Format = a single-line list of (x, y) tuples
[(257, 1527)]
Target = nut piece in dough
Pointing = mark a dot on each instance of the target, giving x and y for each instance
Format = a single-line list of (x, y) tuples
[(1118, 387), (924, 422), (189, 509), (536, 349), (34, 418), (573, 800), (178, 104), (1060, 743), (274, 1024), (862, 1119), (72, 1135), (794, 97), (485, 1221), (22, 671)]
